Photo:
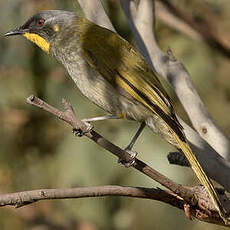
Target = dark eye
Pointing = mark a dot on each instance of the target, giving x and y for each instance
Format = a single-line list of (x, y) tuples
[(40, 22)]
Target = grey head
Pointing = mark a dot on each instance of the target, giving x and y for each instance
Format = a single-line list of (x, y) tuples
[(45, 24)]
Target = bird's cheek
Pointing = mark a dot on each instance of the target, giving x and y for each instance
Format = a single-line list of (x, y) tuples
[(38, 40)]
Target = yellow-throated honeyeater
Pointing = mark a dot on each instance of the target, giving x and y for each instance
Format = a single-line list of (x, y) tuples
[(119, 80)]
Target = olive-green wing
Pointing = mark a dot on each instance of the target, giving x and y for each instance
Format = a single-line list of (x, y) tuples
[(123, 66)]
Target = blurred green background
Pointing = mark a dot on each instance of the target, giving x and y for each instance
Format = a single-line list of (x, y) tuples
[(38, 151)]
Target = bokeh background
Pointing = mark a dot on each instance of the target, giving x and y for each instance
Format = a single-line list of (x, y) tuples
[(39, 151)]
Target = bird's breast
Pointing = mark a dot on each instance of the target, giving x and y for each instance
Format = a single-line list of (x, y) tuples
[(98, 89)]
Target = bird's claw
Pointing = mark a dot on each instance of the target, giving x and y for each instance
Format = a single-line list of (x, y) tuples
[(80, 133), (128, 164)]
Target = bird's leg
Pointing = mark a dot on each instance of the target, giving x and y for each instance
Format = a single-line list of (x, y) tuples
[(130, 146), (134, 139), (79, 133), (128, 149), (101, 118)]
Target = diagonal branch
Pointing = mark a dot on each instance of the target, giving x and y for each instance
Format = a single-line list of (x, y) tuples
[(93, 7), (207, 28), (165, 16), (69, 117)]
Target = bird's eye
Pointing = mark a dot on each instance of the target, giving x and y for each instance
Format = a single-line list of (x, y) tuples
[(40, 22)]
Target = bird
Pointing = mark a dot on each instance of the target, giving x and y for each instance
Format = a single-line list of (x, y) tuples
[(119, 80)]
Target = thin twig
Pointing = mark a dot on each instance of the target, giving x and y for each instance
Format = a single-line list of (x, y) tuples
[(165, 16)]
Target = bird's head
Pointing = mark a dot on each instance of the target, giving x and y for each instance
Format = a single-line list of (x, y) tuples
[(43, 27)]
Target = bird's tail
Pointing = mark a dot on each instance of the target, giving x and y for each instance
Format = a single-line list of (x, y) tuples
[(201, 175)]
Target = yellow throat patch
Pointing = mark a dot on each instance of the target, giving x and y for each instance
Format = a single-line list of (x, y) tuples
[(38, 40)]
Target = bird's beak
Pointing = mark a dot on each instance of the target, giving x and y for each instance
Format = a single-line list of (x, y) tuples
[(18, 31)]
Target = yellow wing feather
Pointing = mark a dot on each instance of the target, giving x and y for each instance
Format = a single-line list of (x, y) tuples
[(125, 60)]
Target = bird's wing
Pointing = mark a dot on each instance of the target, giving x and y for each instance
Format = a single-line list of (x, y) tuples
[(124, 67)]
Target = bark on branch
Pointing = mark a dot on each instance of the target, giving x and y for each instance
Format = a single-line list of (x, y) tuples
[(20, 199)]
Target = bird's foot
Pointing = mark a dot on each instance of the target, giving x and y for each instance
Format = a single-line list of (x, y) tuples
[(80, 133), (128, 164)]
